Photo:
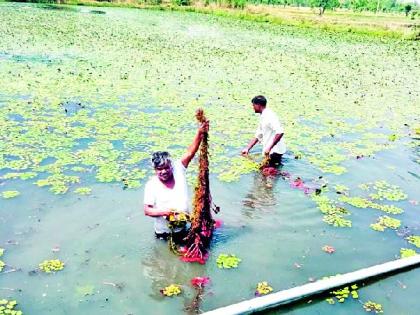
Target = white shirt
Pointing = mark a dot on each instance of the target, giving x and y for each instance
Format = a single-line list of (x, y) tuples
[(268, 127), (162, 197)]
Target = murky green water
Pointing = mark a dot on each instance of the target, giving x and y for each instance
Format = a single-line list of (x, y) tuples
[(91, 95)]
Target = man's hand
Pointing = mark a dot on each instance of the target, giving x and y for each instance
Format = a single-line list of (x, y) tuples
[(193, 148), (204, 127), (249, 147), (151, 211)]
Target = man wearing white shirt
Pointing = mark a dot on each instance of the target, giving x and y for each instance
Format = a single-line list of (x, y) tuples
[(167, 191), (269, 132)]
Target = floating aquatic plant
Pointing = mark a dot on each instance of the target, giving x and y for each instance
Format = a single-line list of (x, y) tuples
[(385, 191), (340, 295), (405, 252), (227, 261), (10, 194), (414, 239), (334, 214), (89, 115), (386, 222), (336, 220), (83, 190), (263, 288), (7, 307), (370, 306), (52, 265), (58, 182), (171, 290), (360, 202)]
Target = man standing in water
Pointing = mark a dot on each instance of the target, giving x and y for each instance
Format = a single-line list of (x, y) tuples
[(167, 191), (269, 132)]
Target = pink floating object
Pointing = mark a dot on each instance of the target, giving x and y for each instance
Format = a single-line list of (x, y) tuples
[(200, 282), (200, 260), (217, 223), (328, 249), (297, 183), (270, 171)]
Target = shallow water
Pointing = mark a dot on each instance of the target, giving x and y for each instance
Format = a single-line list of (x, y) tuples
[(113, 263)]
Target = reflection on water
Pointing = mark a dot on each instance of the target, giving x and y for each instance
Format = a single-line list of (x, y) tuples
[(261, 197), (160, 266)]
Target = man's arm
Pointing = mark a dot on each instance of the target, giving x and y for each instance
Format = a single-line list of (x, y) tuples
[(276, 140), (193, 148), (151, 211), (250, 146)]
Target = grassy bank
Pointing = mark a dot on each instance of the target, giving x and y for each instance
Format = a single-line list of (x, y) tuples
[(390, 25)]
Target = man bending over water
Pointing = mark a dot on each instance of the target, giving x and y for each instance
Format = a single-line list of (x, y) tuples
[(269, 132), (167, 191)]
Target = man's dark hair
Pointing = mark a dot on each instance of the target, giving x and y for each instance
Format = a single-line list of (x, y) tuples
[(160, 158), (259, 100)]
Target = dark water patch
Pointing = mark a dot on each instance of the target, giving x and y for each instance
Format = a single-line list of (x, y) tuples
[(4, 55), (97, 12), (16, 117), (47, 161), (72, 107), (32, 59), (118, 145), (78, 124), (11, 157), (58, 7), (156, 110), (83, 143), (229, 233)]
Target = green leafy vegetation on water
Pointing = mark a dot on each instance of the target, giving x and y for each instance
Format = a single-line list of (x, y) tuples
[(80, 115), (385, 222), (372, 307), (52, 265), (407, 252), (87, 97), (7, 307), (227, 261), (10, 194), (353, 17)]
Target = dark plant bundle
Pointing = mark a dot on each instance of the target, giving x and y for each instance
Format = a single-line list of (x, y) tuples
[(202, 223)]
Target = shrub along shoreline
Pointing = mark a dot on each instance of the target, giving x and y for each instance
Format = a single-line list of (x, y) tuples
[(384, 25)]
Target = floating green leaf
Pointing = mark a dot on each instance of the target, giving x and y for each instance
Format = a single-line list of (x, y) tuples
[(340, 295), (53, 265), (83, 190), (10, 194), (227, 261), (405, 252), (413, 239), (386, 222), (7, 307), (370, 306)]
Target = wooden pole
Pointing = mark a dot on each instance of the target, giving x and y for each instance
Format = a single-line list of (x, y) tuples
[(306, 290)]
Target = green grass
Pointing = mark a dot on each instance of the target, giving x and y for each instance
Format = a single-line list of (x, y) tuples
[(388, 25)]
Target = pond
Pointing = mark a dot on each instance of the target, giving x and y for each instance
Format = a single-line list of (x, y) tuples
[(86, 97)]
